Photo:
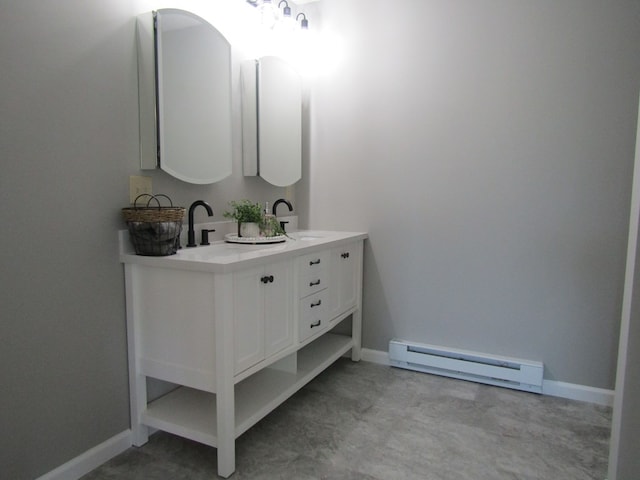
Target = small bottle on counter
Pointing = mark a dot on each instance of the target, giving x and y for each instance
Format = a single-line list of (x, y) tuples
[(270, 222)]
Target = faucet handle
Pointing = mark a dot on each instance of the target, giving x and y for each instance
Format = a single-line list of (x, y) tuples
[(205, 236)]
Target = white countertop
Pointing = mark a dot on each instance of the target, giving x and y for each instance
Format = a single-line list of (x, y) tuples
[(221, 257)]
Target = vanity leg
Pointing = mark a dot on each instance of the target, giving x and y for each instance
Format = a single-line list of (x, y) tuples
[(356, 334), (226, 433), (139, 431), (356, 318), (137, 381), (225, 387)]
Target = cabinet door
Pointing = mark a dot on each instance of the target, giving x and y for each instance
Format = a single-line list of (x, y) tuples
[(343, 283), (248, 306), (278, 307)]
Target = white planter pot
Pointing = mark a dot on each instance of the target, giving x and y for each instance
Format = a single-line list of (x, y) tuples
[(249, 230)]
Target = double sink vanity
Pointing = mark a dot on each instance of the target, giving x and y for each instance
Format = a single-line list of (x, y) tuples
[(239, 329)]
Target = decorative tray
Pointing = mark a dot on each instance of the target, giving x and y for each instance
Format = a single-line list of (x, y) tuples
[(233, 238)]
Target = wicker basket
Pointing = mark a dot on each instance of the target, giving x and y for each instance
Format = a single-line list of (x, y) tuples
[(154, 230)]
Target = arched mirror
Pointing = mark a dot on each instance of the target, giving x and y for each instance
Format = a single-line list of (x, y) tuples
[(272, 121), (189, 101)]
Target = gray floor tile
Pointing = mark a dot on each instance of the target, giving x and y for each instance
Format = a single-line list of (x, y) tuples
[(369, 422)]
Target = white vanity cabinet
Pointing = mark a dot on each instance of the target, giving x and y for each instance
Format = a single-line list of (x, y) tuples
[(239, 329)]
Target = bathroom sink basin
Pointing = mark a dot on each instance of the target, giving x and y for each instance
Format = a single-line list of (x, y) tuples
[(307, 235)]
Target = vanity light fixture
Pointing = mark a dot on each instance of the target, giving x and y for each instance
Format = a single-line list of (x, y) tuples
[(286, 11), (287, 24), (271, 16), (304, 23)]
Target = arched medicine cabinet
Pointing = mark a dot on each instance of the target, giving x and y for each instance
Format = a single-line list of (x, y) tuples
[(271, 120), (184, 74)]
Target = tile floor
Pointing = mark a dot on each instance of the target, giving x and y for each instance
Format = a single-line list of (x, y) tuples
[(371, 422)]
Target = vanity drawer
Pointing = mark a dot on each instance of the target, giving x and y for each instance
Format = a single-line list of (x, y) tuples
[(313, 314), (313, 283), (313, 264)]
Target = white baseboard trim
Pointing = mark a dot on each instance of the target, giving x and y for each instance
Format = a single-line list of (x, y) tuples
[(91, 459), (583, 393), (572, 391), (374, 356)]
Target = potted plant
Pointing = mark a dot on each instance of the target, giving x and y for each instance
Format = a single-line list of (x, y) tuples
[(249, 216)]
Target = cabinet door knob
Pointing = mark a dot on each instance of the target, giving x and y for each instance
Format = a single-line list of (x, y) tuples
[(267, 279), (345, 255), (316, 324), (314, 262), (313, 284), (317, 304)]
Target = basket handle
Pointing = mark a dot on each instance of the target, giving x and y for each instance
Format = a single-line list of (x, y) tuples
[(152, 197)]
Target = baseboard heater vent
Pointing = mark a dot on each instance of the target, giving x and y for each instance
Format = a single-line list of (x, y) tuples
[(477, 367)]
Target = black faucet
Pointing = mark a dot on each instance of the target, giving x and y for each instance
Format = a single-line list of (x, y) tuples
[(275, 205), (191, 240)]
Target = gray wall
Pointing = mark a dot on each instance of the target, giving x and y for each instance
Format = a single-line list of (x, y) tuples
[(495, 136), (68, 143), (487, 147)]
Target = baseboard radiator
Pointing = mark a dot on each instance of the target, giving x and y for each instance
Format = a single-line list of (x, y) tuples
[(477, 367)]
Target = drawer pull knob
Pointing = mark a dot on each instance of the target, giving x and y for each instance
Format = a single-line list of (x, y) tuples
[(316, 324), (314, 262), (313, 284), (317, 304), (267, 279), (345, 255)]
